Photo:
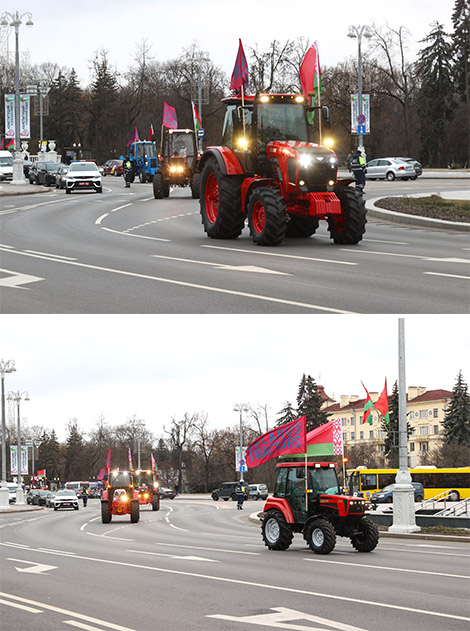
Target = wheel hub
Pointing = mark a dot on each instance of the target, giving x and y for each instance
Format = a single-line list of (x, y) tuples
[(211, 198), (318, 537), (272, 530), (259, 217)]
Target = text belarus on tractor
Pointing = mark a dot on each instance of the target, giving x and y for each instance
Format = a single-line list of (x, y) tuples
[(315, 508), (144, 160), (147, 488), (178, 163), (120, 497), (268, 171)]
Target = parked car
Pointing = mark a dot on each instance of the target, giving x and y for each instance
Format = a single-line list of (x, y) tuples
[(168, 493), (41, 497), (389, 169), (32, 494), (257, 491), (417, 166), (83, 176), (6, 165), (227, 490), (60, 176), (386, 494), (46, 173), (65, 498), (50, 499), (113, 167), (12, 492)]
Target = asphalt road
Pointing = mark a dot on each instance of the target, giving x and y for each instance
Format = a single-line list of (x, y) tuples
[(201, 565), (125, 252)]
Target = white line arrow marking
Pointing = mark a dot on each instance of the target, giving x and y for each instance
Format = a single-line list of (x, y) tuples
[(236, 268), (15, 279), (37, 568), (175, 556)]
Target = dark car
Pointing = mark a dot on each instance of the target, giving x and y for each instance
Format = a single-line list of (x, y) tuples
[(60, 175), (113, 167), (227, 490), (386, 494), (168, 493), (31, 497), (27, 164), (41, 498), (46, 173)]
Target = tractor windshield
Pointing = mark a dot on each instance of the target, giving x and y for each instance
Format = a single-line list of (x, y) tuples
[(281, 121), (323, 481), (182, 145)]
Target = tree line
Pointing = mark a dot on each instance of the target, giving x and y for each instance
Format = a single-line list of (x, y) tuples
[(197, 458), (420, 109)]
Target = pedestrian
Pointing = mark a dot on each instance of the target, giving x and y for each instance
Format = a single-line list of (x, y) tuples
[(240, 491), (177, 487), (128, 168), (84, 497), (358, 167)]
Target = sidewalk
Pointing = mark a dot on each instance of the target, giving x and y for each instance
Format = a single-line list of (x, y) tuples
[(7, 189)]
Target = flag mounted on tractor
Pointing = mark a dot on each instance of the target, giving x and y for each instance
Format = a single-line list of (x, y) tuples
[(310, 78), (134, 137), (169, 116), (152, 132), (240, 71), (283, 440), (196, 120)]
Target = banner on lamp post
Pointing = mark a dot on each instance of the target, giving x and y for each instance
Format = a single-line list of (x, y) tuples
[(25, 116), (14, 460), (24, 460), (9, 115)]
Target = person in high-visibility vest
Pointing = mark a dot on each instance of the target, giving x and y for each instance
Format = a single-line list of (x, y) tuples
[(241, 494), (358, 167)]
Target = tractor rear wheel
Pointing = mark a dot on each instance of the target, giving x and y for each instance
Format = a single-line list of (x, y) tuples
[(158, 186), (220, 202), (196, 186), (321, 536), (366, 536), (142, 177), (348, 227), (105, 513), (277, 533), (135, 511), (267, 216), (155, 502), (300, 227)]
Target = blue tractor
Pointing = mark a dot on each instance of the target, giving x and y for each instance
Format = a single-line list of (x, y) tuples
[(144, 159)]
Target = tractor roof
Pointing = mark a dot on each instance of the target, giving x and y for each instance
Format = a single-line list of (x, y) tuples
[(315, 465), (249, 99)]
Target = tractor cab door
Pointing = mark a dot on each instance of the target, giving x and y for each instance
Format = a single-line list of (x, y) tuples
[(295, 493)]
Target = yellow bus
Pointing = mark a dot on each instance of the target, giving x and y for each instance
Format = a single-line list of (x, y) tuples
[(435, 481)]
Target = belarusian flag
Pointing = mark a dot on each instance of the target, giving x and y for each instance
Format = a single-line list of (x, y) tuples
[(131, 466), (154, 464), (41, 474), (326, 440), (382, 404), (196, 119), (367, 408)]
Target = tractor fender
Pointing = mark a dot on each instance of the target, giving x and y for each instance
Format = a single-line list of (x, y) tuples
[(282, 505), (228, 162), (249, 184)]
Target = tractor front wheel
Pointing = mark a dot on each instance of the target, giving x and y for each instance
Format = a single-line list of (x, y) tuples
[(142, 177), (348, 227), (277, 533), (321, 536), (155, 502), (135, 511), (196, 186), (267, 216), (158, 186), (366, 536), (220, 202), (105, 513)]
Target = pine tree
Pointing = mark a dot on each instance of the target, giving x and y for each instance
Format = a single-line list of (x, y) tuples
[(74, 454), (309, 403), (286, 415), (457, 417), (50, 455), (461, 48)]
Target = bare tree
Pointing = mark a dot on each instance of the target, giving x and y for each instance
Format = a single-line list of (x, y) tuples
[(179, 433)]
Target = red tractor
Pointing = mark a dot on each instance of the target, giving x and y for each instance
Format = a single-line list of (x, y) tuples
[(147, 487), (120, 497), (178, 163), (268, 171), (314, 507)]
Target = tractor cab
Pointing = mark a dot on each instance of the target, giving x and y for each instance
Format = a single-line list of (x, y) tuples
[(147, 488), (179, 148), (178, 162)]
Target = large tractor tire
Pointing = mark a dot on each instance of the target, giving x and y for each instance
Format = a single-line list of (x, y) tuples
[(135, 514), (320, 536), (301, 227), (105, 513), (196, 186), (366, 536), (220, 202), (277, 533), (348, 228), (142, 177), (158, 186), (267, 216), (155, 502)]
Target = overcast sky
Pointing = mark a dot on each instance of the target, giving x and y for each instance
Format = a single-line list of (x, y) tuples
[(157, 366), (69, 33)]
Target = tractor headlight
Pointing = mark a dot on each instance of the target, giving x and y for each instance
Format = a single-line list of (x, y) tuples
[(305, 160), (123, 497)]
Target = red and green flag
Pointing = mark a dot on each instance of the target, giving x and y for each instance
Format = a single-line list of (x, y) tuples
[(382, 404), (310, 78), (129, 456), (367, 418), (41, 474), (326, 440), (154, 464), (196, 120)]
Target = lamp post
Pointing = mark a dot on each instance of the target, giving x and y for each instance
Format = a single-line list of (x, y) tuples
[(6, 366), (203, 56), (359, 31), (19, 396), (140, 425), (14, 19), (241, 407)]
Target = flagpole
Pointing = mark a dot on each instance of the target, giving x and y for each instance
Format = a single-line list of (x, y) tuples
[(161, 141), (319, 115), (243, 111), (306, 482)]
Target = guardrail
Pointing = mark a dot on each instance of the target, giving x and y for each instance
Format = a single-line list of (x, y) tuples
[(461, 508), (431, 502)]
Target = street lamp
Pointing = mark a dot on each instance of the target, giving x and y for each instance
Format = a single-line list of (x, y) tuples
[(241, 407), (5, 367), (14, 19), (19, 396), (140, 426), (203, 56), (359, 31)]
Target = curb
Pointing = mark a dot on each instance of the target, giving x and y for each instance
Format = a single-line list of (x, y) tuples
[(14, 193), (20, 509)]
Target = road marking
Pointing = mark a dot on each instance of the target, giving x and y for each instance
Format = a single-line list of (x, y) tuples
[(167, 519), (267, 586), (447, 275), (100, 219), (180, 283), (279, 620), (174, 556), (286, 256), (384, 567), (449, 554), (36, 568), (410, 256), (80, 625), (178, 545), (18, 606), (57, 256), (66, 612), (138, 236), (119, 207), (236, 268), (16, 280)]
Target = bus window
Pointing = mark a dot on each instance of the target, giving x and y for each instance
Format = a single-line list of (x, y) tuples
[(368, 481), (385, 479)]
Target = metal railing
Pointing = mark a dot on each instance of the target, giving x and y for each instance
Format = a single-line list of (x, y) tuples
[(461, 508), (432, 501)]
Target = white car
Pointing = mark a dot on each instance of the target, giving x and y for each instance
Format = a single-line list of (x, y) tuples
[(12, 492), (65, 498), (83, 176), (6, 165)]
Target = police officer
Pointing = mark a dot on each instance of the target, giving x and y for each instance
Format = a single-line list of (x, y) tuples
[(240, 491), (127, 166), (358, 167)]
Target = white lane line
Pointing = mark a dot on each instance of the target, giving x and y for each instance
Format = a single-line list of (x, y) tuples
[(286, 256), (100, 219), (385, 567), (80, 625), (167, 519), (57, 256), (447, 275), (178, 545), (18, 606), (435, 259), (119, 207), (147, 199), (16, 280), (221, 266), (138, 236), (267, 586), (168, 281), (174, 556), (446, 554)]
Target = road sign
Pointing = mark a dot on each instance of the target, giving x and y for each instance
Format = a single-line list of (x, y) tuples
[(361, 119), (200, 133), (361, 129)]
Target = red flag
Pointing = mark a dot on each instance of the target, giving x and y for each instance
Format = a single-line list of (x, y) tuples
[(286, 439), (152, 133), (108, 461), (131, 466), (240, 71), (169, 116), (101, 474), (367, 408), (134, 137), (382, 404), (310, 77)]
